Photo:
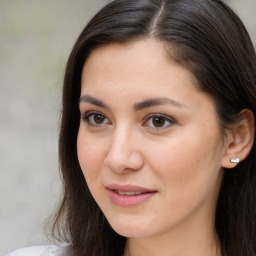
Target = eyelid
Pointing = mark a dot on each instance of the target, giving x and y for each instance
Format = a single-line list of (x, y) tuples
[(85, 117), (169, 119)]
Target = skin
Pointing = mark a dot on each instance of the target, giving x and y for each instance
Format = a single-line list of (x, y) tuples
[(181, 160)]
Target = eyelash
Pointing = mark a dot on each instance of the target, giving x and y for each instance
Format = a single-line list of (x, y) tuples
[(86, 117), (165, 118)]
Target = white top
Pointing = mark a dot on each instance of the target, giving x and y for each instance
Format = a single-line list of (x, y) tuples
[(44, 250)]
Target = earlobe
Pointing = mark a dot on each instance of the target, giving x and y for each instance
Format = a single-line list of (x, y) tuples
[(240, 140)]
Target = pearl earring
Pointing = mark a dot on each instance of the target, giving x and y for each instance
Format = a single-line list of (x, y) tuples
[(235, 160)]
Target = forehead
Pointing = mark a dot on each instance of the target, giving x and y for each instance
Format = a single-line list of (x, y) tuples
[(140, 61), (145, 50)]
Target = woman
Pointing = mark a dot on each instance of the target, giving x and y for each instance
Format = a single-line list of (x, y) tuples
[(157, 147)]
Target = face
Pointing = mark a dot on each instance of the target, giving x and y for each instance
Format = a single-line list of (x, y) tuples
[(149, 144)]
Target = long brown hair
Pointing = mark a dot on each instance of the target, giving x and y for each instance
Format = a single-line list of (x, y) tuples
[(206, 37)]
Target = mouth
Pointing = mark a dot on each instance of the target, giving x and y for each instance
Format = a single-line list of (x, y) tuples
[(129, 195)]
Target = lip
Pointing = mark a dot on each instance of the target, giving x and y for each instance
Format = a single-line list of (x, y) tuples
[(129, 200)]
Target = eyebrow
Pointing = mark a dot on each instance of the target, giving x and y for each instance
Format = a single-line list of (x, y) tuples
[(94, 101), (158, 101), (137, 106)]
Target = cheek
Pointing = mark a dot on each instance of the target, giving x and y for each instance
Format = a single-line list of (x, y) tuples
[(91, 159), (188, 162), (90, 153)]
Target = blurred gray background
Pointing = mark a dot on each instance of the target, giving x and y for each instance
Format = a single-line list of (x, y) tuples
[(36, 37)]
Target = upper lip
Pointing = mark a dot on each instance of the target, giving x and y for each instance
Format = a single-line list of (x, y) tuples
[(129, 188)]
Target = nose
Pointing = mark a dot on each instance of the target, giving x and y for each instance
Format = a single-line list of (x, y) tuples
[(124, 154)]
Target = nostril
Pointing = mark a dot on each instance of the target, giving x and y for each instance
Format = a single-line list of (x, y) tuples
[(124, 162)]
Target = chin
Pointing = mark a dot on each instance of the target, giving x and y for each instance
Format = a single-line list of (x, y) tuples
[(129, 227)]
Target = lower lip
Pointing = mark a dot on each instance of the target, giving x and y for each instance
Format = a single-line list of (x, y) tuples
[(129, 201)]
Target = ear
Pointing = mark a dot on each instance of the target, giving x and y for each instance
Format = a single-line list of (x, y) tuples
[(240, 140)]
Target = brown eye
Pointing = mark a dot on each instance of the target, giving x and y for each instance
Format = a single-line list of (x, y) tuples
[(95, 119), (98, 118), (158, 121)]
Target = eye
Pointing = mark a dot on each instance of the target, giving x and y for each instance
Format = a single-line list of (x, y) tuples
[(159, 121), (95, 119)]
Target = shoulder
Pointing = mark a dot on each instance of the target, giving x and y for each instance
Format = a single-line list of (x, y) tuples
[(43, 250)]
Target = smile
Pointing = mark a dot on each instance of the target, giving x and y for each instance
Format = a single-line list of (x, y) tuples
[(128, 195)]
